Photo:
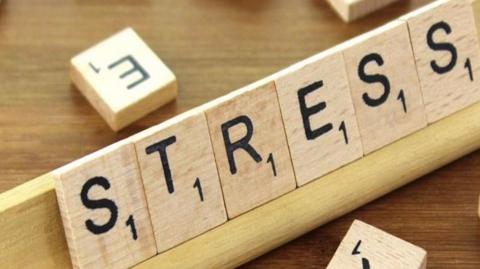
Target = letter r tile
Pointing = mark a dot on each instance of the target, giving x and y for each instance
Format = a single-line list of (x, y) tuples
[(180, 179), (318, 114), (250, 147), (104, 211)]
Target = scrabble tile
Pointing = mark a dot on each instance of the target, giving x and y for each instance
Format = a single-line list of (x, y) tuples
[(104, 211), (318, 115), (123, 78), (250, 147), (365, 246), (384, 85), (350, 10), (447, 54), (180, 179)]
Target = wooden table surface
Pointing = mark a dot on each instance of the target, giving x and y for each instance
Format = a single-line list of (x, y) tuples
[(213, 47)]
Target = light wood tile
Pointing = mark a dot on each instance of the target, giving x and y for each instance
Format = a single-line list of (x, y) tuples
[(384, 85), (180, 179), (318, 115), (447, 54), (123, 78), (104, 210), (350, 10), (365, 246), (250, 147)]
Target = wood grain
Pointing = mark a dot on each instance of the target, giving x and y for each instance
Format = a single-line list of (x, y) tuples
[(45, 122)]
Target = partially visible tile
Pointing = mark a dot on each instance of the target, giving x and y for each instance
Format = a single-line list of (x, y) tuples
[(350, 10), (365, 246)]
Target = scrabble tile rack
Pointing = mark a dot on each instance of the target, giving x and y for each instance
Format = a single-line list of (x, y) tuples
[(30, 218), (31, 232)]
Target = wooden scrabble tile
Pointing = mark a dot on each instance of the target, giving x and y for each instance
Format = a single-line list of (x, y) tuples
[(350, 10), (318, 115), (447, 54), (104, 210), (123, 78), (180, 179), (384, 85), (250, 147), (365, 246)]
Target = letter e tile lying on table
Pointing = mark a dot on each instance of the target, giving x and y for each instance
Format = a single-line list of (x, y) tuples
[(365, 246), (180, 179), (384, 85), (318, 115), (250, 147), (123, 78), (104, 211), (445, 44)]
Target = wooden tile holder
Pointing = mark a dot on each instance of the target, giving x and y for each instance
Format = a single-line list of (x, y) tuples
[(31, 232)]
